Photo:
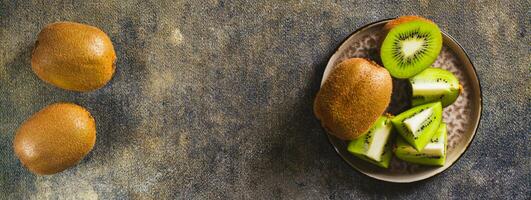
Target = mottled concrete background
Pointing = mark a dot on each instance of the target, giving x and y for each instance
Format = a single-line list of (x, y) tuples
[(212, 100)]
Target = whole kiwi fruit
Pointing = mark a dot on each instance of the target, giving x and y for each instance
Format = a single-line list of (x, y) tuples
[(55, 138), (73, 56), (355, 94)]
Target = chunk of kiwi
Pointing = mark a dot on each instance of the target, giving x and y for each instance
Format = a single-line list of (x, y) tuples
[(434, 84), (411, 47), (418, 125), (374, 145), (433, 154)]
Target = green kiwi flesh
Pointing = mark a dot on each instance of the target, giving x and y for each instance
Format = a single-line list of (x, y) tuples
[(418, 124), (433, 154), (374, 146), (411, 47), (434, 84)]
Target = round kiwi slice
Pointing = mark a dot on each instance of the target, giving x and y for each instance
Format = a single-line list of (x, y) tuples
[(411, 47)]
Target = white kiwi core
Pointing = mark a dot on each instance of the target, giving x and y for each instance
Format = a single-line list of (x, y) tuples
[(415, 122), (430, 89), (411, 46), (435, 148), (377, 146)]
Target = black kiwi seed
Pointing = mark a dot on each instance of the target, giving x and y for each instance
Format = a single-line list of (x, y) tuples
[(367, 138)]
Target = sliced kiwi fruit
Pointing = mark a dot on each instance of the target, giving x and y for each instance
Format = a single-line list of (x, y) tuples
[(433, 154), (418, 125), (434, 84), (374, 145), (411, 47)]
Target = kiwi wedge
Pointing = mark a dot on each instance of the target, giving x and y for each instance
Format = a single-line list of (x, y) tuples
[(411, 47), (433, 154), (374, 145), (434, 84), (418, 125)]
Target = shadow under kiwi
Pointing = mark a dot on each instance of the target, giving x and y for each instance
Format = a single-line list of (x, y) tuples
[(400, 97)]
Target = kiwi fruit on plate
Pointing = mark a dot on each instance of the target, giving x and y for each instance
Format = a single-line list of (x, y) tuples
[(434, 84), (407, 47), (55, 138), (418, 124), (355, 94), (374, 146), (410, 46), (73, 56), (433, 154)]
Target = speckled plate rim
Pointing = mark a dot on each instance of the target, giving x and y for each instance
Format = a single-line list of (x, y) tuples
[(440, 170)]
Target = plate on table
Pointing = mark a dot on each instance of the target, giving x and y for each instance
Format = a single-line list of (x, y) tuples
[(462, 117)]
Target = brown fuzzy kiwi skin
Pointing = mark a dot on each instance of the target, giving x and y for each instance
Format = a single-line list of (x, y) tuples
[(55, 138), (73, 56), (403, 19), (352, 98)]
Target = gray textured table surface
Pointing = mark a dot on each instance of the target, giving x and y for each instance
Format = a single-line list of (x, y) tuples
[(213, 100)]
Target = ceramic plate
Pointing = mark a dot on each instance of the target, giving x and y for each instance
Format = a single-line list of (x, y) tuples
[(462, 117)]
